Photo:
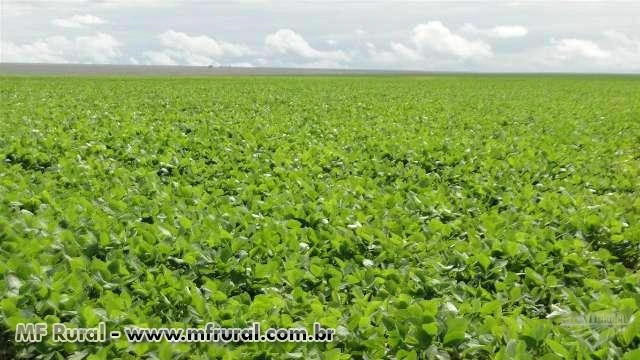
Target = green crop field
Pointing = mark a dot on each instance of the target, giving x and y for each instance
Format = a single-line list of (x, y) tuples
[(441, 217)]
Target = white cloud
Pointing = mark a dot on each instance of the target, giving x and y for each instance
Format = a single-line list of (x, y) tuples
[(381, 57), (397, 56), (434, 36), (158, 58), (609, 51), (622, 39), (431, 45), (360, 32), (501, 31), (201, 46), (614, 50), (286, 41), (508, 31), (198, 50), (322, 64), (405, 52), (569, 48), (242, 64), (99, 48), (78, 21), (626, 49), (37, 52)]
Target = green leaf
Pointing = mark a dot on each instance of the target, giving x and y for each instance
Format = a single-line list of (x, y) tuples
[(534, 277), (491, 307), (558, 348), (431, 328), (185, 222), (88, 316), (456, 328), (407, 355), (632, 355)]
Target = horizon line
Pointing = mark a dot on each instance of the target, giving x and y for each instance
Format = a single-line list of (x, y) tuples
[(221, 70)]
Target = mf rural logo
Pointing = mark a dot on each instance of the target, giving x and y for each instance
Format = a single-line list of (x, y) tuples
[(593, 329)]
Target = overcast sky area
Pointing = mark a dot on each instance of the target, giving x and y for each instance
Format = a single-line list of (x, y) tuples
[(499, 36)]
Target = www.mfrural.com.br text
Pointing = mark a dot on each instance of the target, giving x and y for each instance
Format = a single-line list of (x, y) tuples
[(210, 332)]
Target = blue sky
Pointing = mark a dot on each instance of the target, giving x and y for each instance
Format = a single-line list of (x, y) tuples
[(500, 36)]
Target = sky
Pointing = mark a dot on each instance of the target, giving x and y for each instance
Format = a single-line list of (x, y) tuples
[(477, 36)]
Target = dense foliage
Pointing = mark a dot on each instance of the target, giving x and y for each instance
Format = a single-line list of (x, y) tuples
[(422, 217)]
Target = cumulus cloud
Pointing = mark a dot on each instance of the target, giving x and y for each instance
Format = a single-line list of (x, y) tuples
[(405, 52), (39, 51), (434, 36), (158, 58), (201, 45), (78, 21), (602, 52), (99, 48), (501, 31), (626, 50), (612, 50), (381, 57), (429, 45), (569, 48), (287, 41), (384, 58), (196, 50)]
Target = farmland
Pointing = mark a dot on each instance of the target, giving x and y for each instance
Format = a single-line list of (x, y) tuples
[(420, 216)]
